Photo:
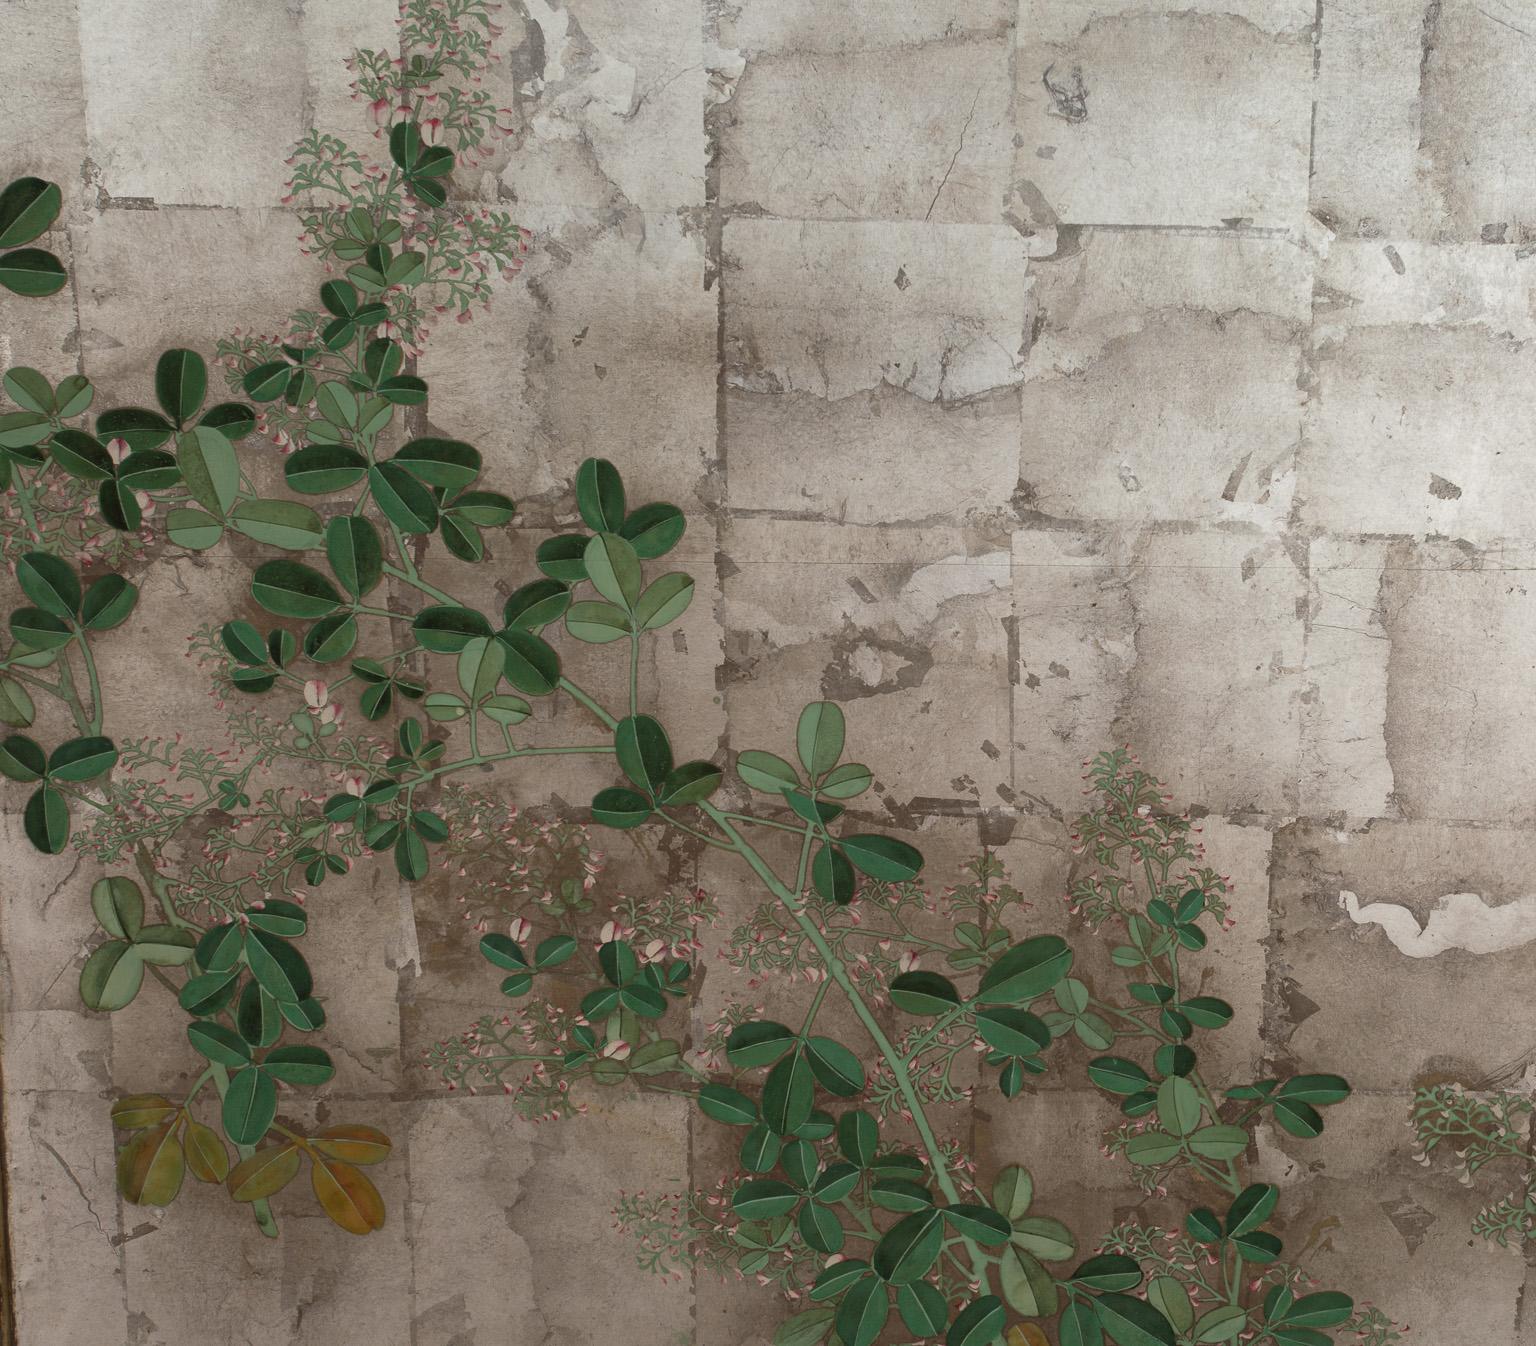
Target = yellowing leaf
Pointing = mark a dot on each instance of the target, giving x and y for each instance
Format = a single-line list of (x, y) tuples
[(353, 1144), (347, 1196), (206, 1155), (1025, 1334), (150, 1167), (265, 1172), (140, 1110)]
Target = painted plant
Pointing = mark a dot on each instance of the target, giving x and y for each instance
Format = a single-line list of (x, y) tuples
[(355, 654)]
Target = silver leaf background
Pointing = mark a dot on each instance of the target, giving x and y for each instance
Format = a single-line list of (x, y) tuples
[(1037, 375)]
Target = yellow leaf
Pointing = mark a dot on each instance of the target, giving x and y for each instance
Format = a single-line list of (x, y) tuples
[(265, 1172), (347, 1196), (150, 1167), (141, 1110), (353, 1144), (1026, 1334), (206, 1155)]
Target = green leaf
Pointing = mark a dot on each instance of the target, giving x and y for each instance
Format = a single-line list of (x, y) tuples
[(331, 638), (81, 455), (664, 601), (836, 1069), (278, 523), (278, 966), (1047, 1239), (208, 993), (27, 207), (846, 781), (223, 1046), (788, 1094), (979, 1323), (1327, 1308), (1299, 1119), (1108, 1271), (209, 468), (832, 876), (49, 582), (820, 1228), (1080, 1325), (561, 557), (1133, 1322), (480, 666), (643, 752), (883, 858), (807, 1328), (978, 1222), (440, 462), (1169, 1297), (765, 772), (819, 737), (1253, 1206), (533, 667), (617, 807), (600, 495), (220, 947), (164, 945), (1012, 1191), (250, 1105), (111, 976), (1025, 971), (32, 272), (536, 605), (909, 1247), (1178, 1105), (923, 1308), (690, 783), (181, 383), (279, 917), (16, 708), (107, 603), (299, 1065), (653, 530), (1015, 1032), (192, 529), (858, 1137), (1152, 1147), (1223, 1323), (925, 993), (446, 630), (233, 420), (1206, 1011), (484, 509), (292, 589), (29, 390), (721, 1103), (46, 820), (862, 1315), (597, 623), (1319, 1089), (244, 642), (1219, 1142), (759, 1042), (257, 1017), (39, 630), (504, 709), (406, 503), (764, 1198), (323, 468), (1116, 1075), (614, 569)]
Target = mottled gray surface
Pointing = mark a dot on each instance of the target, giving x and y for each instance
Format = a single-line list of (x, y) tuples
[(1037, 375)]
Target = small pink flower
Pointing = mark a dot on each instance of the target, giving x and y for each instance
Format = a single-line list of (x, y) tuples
[(907, 961), (117, 450), (432, 131), (379, 111), (353, 785), (520, 928), (316, 694), (617, 1050), (402, 114)]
